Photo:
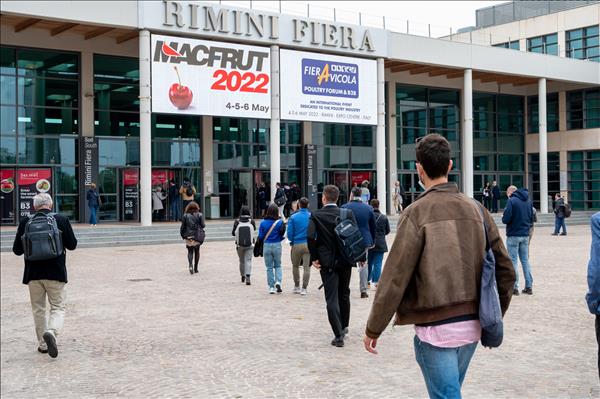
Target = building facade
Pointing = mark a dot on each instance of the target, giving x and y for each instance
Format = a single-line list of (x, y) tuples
[(84, 100)]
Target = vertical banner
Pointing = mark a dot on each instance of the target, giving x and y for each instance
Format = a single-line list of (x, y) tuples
[(7, 196), (131, 194), (310, 175), (30, 183), (88, 172)]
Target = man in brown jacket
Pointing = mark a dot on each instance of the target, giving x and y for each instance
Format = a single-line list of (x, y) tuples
[(433, 272)]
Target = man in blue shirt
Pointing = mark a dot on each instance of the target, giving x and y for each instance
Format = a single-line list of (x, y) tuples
[(518, 218), (365, 220), (296, 233)]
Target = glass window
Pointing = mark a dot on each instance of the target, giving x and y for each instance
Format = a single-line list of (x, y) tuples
[(48, 92), (111, 69), (176, 126), (8, 120), (107, 123), (361, 135), (8, 60), (40, 121), (583, 44), (510, 162), (44, 63), (336, 157), (118, 152), (583, 109), (8, 149), (68, 206), (547, 44), (66, 180), (8, 90), (34, 150), (551, 113), (116, 96)]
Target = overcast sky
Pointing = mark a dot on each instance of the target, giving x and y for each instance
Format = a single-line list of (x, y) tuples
[(442, 15)]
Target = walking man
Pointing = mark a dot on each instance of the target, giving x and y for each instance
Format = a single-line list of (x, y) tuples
[(365, 220), (280, 199), (495, 196), (46, 278), (518, 218), (375, 256), (593, 277), (174, 201), (326, 257), (427, 263), (296, 233), (559, 215)]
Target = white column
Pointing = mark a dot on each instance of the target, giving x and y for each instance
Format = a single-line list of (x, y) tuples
[(392, 153), (467, 133), (543, 145), (380, 137), (275, 121), (145, 131)]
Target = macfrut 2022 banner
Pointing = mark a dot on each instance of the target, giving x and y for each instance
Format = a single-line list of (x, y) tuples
[(199, 77)]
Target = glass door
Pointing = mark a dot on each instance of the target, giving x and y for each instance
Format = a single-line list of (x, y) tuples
[(108, 188), (262, 192), (243, 191), (340, 179)]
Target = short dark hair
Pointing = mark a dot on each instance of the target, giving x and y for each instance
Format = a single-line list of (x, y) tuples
[(303, 202), (375, 203), (356, 192), (331, 193), (245, 210), (192, 207), (272, 212), (433, 154)]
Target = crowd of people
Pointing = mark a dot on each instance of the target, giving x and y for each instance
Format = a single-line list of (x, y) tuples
[(417, 286)]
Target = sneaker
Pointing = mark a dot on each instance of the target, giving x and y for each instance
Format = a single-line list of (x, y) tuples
[(272, 290), (345, 331), (303, 292), (243, 279), (516, 291), (50, 340), (338, 342), (374, 286), (554, 234), (527, 291), (248, 280), (43, 348), (364, 295), (278, 287), (296, 290), (563, 234)]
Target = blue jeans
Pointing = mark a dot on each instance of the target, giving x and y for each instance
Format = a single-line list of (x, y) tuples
[(93, 211), (272, 255), (558, 223), (443, 369), (175, 209), (518, 248), (375, 260)]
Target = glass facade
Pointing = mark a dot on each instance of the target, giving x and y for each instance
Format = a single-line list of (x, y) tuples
[(547, 44), (583, 43), (584, 179), (39, 118), (551, 113), (534, 176), (419, 111), (513, 45), (583, 109)]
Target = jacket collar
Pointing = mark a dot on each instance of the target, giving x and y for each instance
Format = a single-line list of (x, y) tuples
[(442, 188)]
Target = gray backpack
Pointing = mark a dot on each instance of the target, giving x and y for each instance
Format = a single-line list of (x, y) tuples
[(42, 240)]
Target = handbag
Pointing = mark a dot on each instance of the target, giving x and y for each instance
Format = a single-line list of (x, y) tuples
[(258, 246), (200, 233)]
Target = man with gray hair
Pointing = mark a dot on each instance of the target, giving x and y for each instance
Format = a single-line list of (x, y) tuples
[(46, 278)]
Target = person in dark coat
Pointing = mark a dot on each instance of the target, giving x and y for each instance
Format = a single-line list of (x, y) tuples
[(365, 220), (326, 257), (593, 277), (47, 278), (495, 196), (559, 215), (94, 202), (375, 256), (191, 223)]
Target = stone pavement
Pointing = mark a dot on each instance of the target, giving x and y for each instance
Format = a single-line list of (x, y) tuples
[(139, 326)]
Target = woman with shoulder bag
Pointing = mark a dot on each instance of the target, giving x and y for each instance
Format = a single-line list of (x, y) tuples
[(192, 231), (271, 232)]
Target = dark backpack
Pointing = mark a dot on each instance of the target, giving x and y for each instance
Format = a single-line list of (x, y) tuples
[(490, 312), (189, 191), (280, 197), (567, 210), (42, 240), (350, 240), (243, 234)]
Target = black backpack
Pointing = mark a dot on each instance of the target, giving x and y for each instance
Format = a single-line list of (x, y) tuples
[(350, 240), (42, 240), (280, 197), (567, 210), (189, 191)]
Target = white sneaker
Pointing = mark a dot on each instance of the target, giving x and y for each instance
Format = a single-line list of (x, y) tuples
[(296, 290), (272, 290), (303, 292)]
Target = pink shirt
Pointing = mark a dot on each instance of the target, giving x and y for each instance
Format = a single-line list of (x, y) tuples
[(451, 335)]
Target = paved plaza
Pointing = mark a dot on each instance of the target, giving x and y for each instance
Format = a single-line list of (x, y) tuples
[(139, 326)]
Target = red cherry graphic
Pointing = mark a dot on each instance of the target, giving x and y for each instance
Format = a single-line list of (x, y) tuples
[(180, 96)]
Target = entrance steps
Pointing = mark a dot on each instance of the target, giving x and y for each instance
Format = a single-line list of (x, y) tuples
[(115, 235)]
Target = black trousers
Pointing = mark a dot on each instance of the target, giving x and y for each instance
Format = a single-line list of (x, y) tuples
[(598, 341), (336, 284)]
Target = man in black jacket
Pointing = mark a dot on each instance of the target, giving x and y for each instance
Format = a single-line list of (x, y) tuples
[(326, 257), (47, 278), (495, 196)]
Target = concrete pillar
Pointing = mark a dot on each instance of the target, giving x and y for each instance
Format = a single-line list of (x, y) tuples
[(87, 93), (380, 137), (207, 155), (306, 133), (467, 133), (275, 122), (562, 111), (392, 155), (543, 136), (145, 131)]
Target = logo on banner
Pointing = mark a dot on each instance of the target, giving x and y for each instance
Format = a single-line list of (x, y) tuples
[(327, 78)]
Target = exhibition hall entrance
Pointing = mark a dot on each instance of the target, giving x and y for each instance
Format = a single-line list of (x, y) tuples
[(239, 187), (344, 180)]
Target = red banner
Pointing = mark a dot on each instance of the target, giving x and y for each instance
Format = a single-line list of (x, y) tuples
[(31, 182), (7, 195), (162, 176), (359, 177), (131, 177), (32, 176)]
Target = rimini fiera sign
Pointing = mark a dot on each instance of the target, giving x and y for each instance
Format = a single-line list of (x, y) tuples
[(218, 21)]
